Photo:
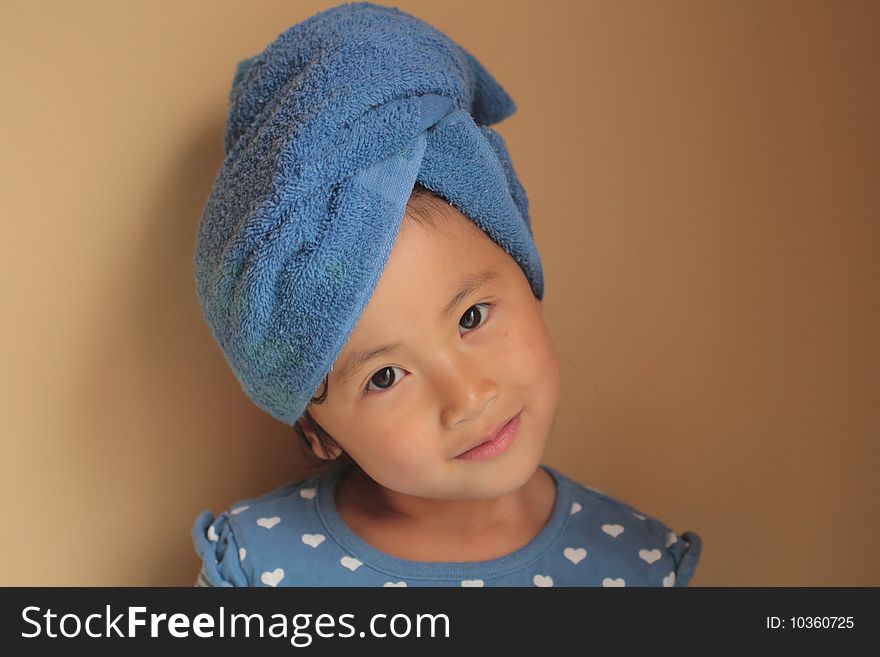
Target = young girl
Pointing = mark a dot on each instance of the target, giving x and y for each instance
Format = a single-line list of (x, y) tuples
[(366, 263)]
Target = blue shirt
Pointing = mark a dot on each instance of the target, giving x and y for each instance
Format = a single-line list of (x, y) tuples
[(294, 536)]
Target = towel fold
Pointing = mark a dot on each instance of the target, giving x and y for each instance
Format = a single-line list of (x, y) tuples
[(329, 128)]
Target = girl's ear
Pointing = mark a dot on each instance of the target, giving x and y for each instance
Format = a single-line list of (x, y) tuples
[(334, 450)]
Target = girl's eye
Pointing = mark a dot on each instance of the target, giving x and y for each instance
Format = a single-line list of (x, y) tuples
[(385, 378), (382, 378), (470, 317)]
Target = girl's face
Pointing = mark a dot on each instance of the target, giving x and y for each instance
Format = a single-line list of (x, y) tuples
[(454, 373)]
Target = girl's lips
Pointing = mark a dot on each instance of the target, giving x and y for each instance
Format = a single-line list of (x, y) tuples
[(496, 446)]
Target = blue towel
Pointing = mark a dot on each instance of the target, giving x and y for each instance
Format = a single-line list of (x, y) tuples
[(329, 129)]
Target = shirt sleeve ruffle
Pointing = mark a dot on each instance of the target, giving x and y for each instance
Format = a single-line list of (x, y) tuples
[(685, 552), (215, 543)]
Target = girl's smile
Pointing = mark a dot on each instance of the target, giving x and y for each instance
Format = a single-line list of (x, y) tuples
[(497, 444)]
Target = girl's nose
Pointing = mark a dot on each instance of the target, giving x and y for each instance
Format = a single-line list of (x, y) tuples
[(466, 394)]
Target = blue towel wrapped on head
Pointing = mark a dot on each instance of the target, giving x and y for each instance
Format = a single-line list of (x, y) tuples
[(329, 129)]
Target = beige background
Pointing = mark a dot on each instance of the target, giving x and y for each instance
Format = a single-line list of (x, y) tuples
[(703, 180)]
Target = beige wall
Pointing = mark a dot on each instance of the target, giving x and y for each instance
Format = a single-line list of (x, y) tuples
[(703, 179)]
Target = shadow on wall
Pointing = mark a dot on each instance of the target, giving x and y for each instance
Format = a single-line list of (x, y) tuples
[(167, 430)]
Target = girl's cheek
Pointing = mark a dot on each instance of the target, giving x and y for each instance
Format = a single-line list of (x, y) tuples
[(539, 357), (399, 442), (529, 345)]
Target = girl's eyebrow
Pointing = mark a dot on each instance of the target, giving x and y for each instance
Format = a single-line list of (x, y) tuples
[(471, 284)]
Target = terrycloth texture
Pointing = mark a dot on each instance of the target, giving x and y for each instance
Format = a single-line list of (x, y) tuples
[(328, 130)]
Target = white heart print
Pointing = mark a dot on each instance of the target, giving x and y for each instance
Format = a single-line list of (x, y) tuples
[(671, 538), (393, 584), (313, 540), (542, 580), (472, 582), (649, 555), (242, 553), (272, 578), (575, 555), (613, 530), (575, 507), (351, 563), (268, 523), (669, 580), (307, 493), (613, 582), (212, 534), (239, 509)]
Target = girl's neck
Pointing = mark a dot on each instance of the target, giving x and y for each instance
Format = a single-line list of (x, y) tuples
[(445, 530)]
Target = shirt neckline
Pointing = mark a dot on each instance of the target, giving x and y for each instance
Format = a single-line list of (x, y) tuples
[(356, 547)]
